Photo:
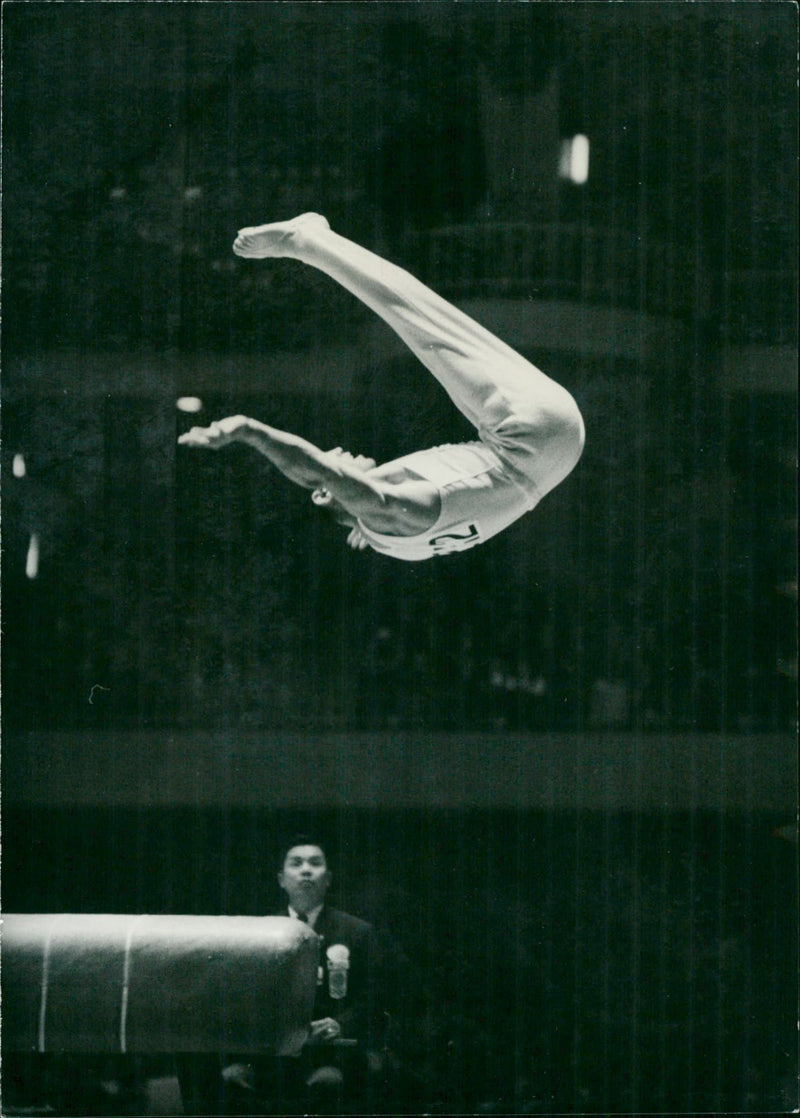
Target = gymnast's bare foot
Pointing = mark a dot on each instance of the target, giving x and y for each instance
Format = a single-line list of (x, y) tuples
[(258, 241)]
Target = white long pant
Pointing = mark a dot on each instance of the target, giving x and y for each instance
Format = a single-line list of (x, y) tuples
[(529, 420)]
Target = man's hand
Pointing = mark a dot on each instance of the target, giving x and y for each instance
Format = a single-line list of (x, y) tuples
[(324, 1030), (219, 434), (356, 540)]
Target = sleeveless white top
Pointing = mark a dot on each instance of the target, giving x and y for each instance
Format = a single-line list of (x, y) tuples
[(479, 498)]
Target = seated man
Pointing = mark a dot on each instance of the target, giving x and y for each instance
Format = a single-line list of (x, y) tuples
[(345, 1061), (446, 498), (345, 1049)]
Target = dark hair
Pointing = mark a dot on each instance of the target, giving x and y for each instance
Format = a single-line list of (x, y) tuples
[(299, 840)]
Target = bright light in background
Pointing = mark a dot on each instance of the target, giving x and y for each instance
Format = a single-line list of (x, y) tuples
[(189, 404), (574, 162), (18, 466), (32, 561)]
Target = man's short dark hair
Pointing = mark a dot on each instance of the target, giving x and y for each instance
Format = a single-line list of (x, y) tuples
[(300, 839)]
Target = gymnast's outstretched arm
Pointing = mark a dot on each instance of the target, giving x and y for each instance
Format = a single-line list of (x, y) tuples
[(398, 508)]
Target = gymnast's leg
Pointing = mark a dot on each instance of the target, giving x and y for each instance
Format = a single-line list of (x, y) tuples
[(516, 408)]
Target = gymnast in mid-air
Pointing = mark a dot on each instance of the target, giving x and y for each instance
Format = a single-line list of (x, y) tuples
[(448, 498)]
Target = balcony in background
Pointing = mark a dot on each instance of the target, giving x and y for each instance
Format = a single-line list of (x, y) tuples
[(557, 261)]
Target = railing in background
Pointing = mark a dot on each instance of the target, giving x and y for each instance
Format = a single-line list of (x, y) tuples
[(760, 306), (562, 261), (594, 265)]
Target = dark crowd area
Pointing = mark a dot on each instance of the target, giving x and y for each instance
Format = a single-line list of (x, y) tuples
[(207, 591)]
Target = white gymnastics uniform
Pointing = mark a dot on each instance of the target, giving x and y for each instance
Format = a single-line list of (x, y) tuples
[(530, 429), (478, 497)]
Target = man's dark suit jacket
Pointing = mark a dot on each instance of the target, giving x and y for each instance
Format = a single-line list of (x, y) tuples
[(362, 1012), (372, 986)]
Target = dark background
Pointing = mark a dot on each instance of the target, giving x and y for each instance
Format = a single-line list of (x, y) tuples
[(190, 609)]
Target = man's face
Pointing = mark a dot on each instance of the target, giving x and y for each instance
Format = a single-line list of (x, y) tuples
[(305, 877)]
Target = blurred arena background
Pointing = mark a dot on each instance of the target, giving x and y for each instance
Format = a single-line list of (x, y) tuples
[(589, 723)]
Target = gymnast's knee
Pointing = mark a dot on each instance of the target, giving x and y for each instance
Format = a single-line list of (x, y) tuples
[(572, 432), (551, 430)]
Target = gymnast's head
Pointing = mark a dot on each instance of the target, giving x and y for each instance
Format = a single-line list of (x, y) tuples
[(324, 500), (303, 872)]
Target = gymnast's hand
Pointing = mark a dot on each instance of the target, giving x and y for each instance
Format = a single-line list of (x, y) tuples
[(221, 433), (357, 540), (326, 1029)]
